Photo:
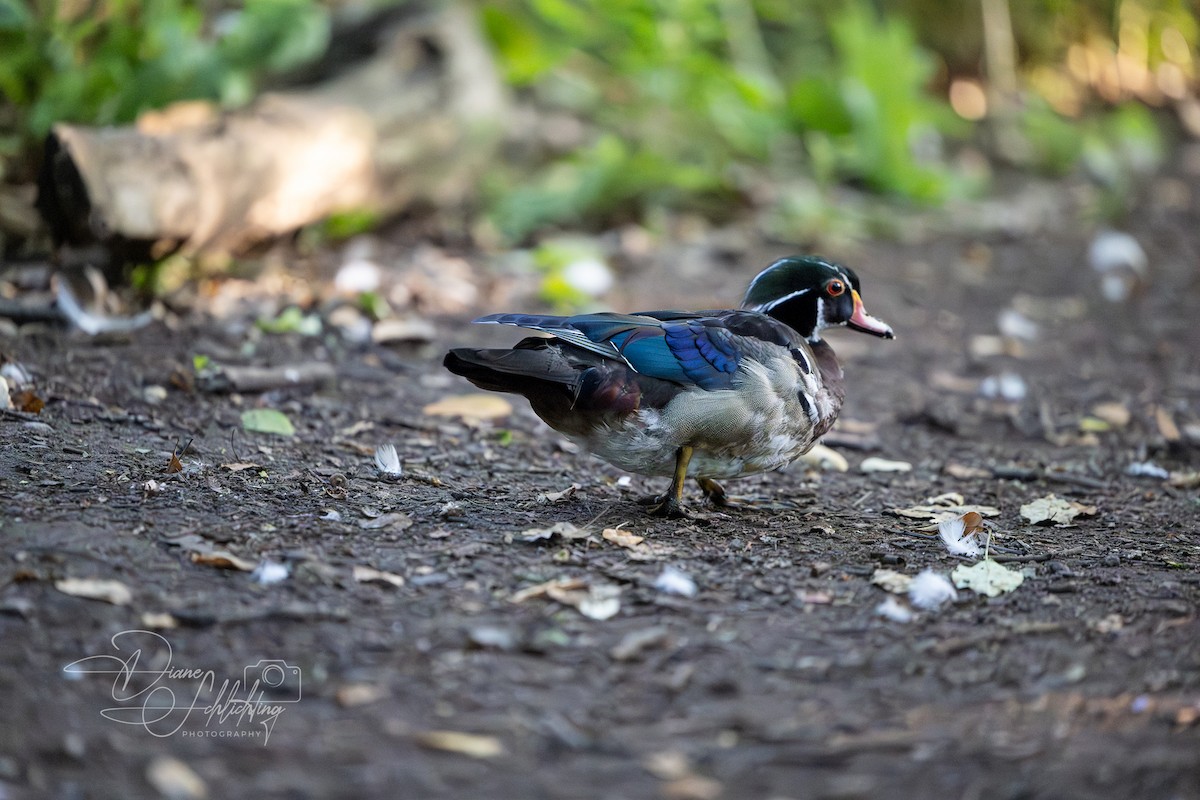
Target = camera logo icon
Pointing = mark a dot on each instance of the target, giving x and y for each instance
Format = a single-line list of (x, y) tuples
[(274, 677)]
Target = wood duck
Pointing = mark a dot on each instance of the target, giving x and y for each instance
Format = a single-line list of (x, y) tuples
[(711, 394)]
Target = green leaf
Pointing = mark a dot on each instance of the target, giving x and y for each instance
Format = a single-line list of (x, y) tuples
[(267, 420)]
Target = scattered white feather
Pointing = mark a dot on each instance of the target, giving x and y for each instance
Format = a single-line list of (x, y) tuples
[(590, 276), (17, 375), (269, 572), (892, 609), (387, 460), (1146, 469), (1121, 263), (1006, 386), (930, 590), (675, 581), (952, 532), (358, 275), (1111, 250), (1015, 325)]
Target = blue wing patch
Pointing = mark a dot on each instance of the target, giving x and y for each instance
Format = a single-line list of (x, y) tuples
[(705, 353), (686, 349)]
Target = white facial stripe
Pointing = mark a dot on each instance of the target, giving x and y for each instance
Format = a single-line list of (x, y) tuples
[(765, 307)]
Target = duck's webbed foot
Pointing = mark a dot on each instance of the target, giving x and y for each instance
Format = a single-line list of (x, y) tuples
[(670, 503), (669, 508), (715, 494), (663, 505)]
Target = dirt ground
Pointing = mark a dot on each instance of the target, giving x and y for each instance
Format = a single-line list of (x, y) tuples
[(776, 679)]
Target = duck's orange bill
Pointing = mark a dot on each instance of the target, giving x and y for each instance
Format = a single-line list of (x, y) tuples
[(860, 320)]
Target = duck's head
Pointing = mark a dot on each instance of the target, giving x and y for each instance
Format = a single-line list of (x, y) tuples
[(809, 294)]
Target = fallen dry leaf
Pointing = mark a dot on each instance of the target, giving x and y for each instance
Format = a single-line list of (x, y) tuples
[(554, 497), (371, 575), (942, 507), (395, 520), (1053, 510), (541, 589), (987, 577), (28, 402), (468, 744), (174, 465), (223, 560), (566, 530), (238, 466), (599, 602), (622, 538), (892, 581), (109, 591), (471, 407)]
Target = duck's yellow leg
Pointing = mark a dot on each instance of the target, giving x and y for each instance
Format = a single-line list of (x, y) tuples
[(670, 505)]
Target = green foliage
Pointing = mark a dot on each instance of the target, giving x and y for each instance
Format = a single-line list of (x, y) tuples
[(606, 178), (292, 320), (871, 112), (554, 259), (697, 99), (342, 225), (104, 63)]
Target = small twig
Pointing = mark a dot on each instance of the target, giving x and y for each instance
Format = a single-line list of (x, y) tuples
[(1070, 551), (22, 416), (263, 379), (862, 499), (1023, 474)]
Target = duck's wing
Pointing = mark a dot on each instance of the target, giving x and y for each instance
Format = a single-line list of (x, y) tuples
[(702, 349)]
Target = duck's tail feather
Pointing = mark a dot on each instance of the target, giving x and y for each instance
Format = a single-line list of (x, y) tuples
[(514, 371)]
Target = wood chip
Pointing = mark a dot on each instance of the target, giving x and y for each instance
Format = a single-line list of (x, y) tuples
[(468, 744), (223, 560), (541, 589), (371, 575), (359, 694), (175, 780), (109, 591), (1166, 425), (622, 538)]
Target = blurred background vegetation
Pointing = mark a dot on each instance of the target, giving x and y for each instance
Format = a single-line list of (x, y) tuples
[(709, 106)]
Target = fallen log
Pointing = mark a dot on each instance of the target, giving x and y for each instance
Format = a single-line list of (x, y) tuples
[(415, 122)]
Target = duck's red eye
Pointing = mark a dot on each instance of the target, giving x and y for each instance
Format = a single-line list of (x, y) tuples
[(835, 288)]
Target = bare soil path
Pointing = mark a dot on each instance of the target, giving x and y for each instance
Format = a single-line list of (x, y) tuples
[(777, 678)]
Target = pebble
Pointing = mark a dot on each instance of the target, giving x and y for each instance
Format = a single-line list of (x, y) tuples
[(154, 394), (1112, 560)]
